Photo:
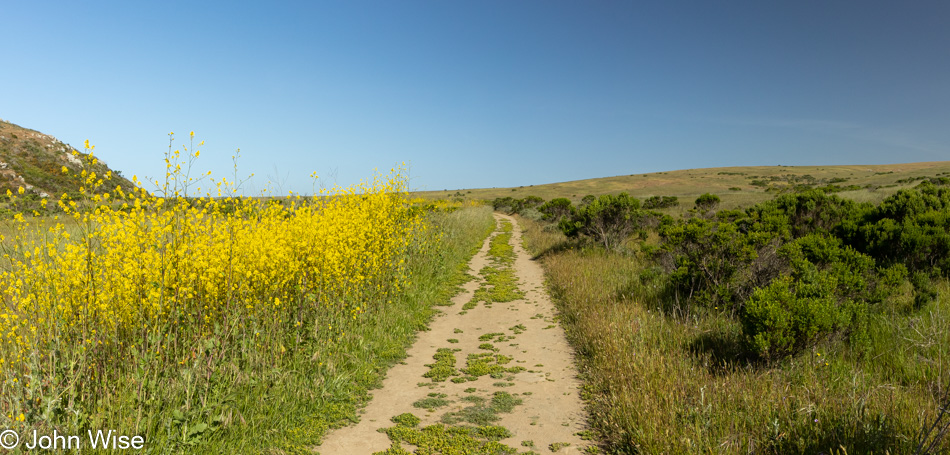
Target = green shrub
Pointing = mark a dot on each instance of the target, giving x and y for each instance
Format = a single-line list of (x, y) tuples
[(911, 227), (714, 263), (556, 209), (799, 214), (531, 202), (608, 220), (856, 273), (660, 202), (707, 202), (788, 315), (511, 205), (924, 289), (506, 204)]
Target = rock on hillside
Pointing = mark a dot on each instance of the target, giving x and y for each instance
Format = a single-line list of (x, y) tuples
[(34, 161)]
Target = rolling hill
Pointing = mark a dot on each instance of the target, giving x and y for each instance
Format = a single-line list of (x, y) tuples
[(736, 186), (34, 161)]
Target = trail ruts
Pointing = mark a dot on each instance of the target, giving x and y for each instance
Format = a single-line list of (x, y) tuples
[(513, 351)]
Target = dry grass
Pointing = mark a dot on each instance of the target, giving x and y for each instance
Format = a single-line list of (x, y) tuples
[(661, 383), (689, 184)]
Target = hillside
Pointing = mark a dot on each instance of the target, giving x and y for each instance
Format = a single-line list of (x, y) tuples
[(737, 186), (34, 161)]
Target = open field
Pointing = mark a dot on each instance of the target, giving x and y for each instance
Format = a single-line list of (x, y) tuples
[(732, 184)]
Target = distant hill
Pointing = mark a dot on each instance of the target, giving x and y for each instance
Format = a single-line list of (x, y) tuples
[(736, 186), (34, 161)]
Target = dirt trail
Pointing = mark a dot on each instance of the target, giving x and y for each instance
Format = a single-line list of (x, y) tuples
[(519, 333)]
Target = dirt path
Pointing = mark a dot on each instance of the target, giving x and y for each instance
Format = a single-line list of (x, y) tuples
[(502, 362)]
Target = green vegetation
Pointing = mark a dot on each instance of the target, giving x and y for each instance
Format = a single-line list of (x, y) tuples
[(444, 365), (321, 388), (34, 161), (219, 401), (660, 202), (406, 419), (449, 439), (806, 323), (501, 283), (433, 401), (486, 363), (556, 209), (482, 413), (469, 430), (608, 220), (864, 183)]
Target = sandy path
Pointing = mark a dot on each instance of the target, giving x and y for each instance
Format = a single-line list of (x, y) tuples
[(551, 410)]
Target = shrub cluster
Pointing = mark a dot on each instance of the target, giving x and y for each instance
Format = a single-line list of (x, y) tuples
[(512, 205), (807, 265), (660, 202), (794, 270)]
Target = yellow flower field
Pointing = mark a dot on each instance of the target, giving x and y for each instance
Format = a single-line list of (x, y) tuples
[(123, 278)]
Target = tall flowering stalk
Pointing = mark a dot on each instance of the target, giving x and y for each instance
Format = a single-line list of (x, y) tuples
[(127, 279)]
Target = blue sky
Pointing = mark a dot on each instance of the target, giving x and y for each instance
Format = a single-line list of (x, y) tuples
[(482, 93)]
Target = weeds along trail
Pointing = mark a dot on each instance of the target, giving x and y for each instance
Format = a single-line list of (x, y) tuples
[(146, 312), (492, 374)]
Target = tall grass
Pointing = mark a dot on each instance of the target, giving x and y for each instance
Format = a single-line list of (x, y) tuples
[(658, 382), (221, 323)]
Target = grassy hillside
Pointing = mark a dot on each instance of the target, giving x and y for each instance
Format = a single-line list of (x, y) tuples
[(34, 161), (737, 186)]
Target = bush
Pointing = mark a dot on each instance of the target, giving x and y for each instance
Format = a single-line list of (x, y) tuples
[(924, 289), (532, 214), (512, 206), (506, 204), (660, 202), (799, 214), (711, 261), (856, 273), (707, 202), (789, 315), (911, 227), (556, 209), (608, 220), (531, 202)]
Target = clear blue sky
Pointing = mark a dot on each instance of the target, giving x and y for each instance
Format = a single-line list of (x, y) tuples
[(482, 93)]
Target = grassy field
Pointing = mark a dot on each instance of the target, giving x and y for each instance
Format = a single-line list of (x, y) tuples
[(237, 399), (658, 381), (257, 324), (733, 184), (218, 325)]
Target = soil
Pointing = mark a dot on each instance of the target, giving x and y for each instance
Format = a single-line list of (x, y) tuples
[(551, 411)]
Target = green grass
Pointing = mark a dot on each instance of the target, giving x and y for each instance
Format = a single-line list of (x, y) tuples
[(468, 431), (661, 383), (449, 439), (444, 366), (501, 283), (287, 406), (242, 402), (432, 402), (483, 412)]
